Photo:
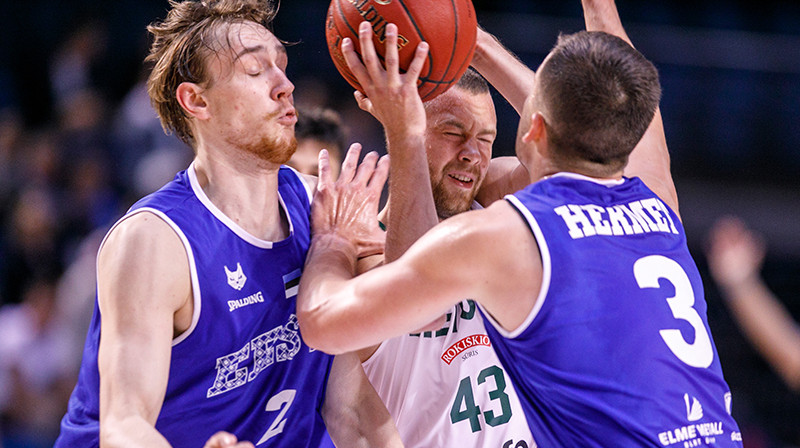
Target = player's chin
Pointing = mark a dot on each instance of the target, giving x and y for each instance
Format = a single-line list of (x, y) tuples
[(459, 205), (286, 149)]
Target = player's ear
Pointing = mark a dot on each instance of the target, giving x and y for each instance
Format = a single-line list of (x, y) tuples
[(537, 130), (190, 97)]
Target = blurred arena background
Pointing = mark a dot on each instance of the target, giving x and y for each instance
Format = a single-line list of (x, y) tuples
[(79, 143)]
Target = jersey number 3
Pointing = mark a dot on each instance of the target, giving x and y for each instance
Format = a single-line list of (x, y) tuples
[(648, 271)]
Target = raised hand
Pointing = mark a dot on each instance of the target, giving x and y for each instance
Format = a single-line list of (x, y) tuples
[(735, 253), (348, 207), (391, 97)]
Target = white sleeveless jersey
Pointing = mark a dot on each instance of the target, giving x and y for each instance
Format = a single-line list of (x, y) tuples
[(447, 388)]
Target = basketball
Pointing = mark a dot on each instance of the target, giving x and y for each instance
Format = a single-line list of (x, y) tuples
[(448, 26)]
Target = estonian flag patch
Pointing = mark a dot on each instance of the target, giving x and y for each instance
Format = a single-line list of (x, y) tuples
[(291, 283)]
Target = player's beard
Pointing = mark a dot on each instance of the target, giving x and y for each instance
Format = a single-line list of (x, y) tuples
[(277, 150), (452, 201)]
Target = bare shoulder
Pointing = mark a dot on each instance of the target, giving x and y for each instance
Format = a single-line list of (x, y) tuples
[(137, 232), (485, 225), (504, 176), (310, 181), (143, 258), (505, 257)]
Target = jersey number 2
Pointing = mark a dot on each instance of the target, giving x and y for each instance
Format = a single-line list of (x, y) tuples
[(280, 401), (648, 271)]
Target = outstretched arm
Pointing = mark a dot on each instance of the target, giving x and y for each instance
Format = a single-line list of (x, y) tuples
[(503, 70), (735, 256), (144, 294), (393, 98), (353, 412), (650, 159), (137, 327), (462, 257), (514, 80)]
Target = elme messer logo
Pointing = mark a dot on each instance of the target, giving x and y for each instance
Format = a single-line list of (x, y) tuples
[(466, 343), (695, 411)]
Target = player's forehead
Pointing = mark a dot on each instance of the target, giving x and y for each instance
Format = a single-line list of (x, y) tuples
[(464, 107), (247, 37)]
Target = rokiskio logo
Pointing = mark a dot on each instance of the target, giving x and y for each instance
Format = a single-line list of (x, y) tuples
[(466, 343)]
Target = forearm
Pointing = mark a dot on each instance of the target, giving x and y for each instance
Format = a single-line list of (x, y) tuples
[(339, 314), (330, 262), (650, 159), (503, 70), (602, 15), (768, 325), (130, 397), (353, 411), (411, 210)]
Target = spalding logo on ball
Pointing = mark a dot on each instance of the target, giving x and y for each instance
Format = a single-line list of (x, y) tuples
[(449, 27)]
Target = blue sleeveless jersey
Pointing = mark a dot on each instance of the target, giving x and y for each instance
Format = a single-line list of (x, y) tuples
[(617, 350), (242, 366)]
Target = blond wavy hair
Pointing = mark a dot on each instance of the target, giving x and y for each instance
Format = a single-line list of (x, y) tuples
[(182, 44)]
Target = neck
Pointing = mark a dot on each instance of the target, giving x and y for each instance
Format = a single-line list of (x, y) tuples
[(584, 168), (245, 191)]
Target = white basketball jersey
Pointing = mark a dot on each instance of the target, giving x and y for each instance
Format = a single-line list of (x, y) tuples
[(447, 388)]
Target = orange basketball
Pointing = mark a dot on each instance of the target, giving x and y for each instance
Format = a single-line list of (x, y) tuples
[(449, 27)]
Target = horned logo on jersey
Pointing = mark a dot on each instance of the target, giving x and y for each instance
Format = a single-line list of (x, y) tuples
[(236, 278)]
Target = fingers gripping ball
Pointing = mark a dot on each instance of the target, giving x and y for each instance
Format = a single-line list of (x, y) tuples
[(449, 27)]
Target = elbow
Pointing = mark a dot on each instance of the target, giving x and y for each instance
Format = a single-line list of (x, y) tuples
[(316, 335), (115, 431)]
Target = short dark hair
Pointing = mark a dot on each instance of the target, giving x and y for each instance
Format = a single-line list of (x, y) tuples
[(181, 44), (599, 95), (321, 124), (473, 82)]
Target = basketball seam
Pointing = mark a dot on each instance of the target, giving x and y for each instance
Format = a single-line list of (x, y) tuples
[(419, 33), (424, 79), (452, 52), (350, 75)]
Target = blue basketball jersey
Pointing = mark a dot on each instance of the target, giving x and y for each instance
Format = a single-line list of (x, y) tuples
[(241, 367), (617, 350)]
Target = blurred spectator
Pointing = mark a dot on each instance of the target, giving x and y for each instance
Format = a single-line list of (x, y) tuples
[(36, 376), (33, 249), (75, 293), (318, 129), (89, 190), (735, 256), (38, 161), (145, 157), (71, 66), (11, 130)]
